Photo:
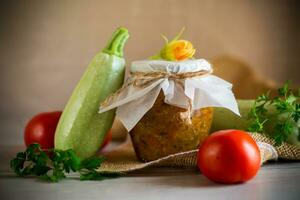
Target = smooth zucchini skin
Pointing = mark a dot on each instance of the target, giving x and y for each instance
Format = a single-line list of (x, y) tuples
[(225, 119), (81, 127)]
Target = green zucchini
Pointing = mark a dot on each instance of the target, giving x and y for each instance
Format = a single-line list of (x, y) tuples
[(225, 119), (81, 127)]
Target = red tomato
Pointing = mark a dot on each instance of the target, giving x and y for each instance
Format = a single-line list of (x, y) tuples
[(41, 129), (229, 156), (107, 139)]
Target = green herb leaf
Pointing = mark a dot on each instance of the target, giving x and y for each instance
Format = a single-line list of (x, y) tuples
[(17, 163), (296, 114), (35, 162), (283, 111), (92, 163), (283, 91), (94, 175)]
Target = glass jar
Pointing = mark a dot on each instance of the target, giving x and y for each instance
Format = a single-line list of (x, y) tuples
[(167, 129), (167, 106)]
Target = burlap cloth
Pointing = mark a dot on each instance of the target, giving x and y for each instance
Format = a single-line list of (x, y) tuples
[(123, 159)]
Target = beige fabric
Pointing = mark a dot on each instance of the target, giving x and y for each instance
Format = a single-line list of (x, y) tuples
[(284, 151), (123, 159)]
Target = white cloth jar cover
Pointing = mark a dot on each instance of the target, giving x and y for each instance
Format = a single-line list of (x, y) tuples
[(133, 102)]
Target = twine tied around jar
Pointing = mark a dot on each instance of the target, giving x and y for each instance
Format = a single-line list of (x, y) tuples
[(142, 79)]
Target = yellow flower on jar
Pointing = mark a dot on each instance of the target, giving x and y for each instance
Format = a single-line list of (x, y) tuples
[(176, 50)]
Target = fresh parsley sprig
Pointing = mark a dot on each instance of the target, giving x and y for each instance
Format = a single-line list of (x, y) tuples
[(280, 115), (36, 162)]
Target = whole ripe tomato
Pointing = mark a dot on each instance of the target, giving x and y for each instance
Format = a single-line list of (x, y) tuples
[(229, 156), (41, 129)]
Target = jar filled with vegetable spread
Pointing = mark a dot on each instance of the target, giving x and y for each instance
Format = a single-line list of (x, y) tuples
[(167, 129), (167, 102)]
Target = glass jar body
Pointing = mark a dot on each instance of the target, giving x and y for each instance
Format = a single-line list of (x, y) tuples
[(167, 129)]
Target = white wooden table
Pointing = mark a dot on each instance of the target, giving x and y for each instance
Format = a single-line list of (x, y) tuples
[(274, 181)]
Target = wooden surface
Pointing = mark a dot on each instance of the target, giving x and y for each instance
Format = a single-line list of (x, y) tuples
[(279, 180)]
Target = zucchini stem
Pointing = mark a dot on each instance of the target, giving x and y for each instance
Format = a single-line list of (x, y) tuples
[(116, 43)]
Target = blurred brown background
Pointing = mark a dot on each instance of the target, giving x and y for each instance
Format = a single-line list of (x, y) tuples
[(46, 45)]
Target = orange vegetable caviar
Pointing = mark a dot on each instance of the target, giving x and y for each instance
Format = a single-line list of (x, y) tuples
[(166, 129)]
